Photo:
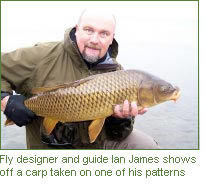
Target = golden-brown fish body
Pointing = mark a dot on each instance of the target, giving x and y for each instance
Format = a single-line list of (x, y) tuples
[(94, 97), (89, 100)]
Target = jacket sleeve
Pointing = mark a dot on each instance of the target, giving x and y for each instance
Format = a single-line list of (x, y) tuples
[(17, 67)]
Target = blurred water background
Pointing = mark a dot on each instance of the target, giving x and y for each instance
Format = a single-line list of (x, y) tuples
[(154, 37)]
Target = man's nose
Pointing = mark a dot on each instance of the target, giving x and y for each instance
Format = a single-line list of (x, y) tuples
[(94, 38)]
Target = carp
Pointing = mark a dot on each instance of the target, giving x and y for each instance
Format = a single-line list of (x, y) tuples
[(93, 98)]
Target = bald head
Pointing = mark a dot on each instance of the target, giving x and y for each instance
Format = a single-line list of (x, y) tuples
[(94, 33), (98, 15)]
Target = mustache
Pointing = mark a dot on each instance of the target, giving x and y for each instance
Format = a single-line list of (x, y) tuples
[(92, 46)]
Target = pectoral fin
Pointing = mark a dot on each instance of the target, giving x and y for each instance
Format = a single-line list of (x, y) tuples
[(49, 124), (94, 128)]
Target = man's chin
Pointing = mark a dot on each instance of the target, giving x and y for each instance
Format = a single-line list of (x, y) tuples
[(91, 59)]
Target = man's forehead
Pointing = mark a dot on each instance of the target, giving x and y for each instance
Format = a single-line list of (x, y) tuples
[(98, 26), (103, 20)]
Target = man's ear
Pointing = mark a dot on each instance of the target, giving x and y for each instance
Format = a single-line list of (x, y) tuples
[(112, 39), (76, 28)]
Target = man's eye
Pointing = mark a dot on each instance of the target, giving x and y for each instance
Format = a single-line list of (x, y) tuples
[(104, 34), (88, 31)]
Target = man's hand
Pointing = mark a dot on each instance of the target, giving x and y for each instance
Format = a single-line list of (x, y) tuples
[(128, 110), (14, 108), (4, 103)]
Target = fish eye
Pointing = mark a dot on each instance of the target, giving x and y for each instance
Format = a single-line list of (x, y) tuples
[(166, 88), (163, 88)]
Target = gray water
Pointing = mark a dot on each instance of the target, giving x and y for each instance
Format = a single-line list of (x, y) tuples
[(172, 125)]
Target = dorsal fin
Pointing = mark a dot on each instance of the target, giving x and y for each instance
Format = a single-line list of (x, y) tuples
[(39, 90)]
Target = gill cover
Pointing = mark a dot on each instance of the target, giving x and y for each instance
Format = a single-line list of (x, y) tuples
[(146, 94)]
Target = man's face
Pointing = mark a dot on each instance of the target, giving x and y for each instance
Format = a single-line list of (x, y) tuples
[(94, 34)]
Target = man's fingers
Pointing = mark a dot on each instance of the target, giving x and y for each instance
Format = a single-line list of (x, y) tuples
[(134, 110), (117, 111), (4, 103), (126, 109)]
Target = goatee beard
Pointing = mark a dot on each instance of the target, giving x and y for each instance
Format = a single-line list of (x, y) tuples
[(90, 59)]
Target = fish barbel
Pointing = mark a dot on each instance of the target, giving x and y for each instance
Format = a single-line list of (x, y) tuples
[(94, 97)]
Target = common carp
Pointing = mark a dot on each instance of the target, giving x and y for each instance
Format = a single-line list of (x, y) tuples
[(94, 97)]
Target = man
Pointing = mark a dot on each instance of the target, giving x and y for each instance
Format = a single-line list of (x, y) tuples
[(87, 49)]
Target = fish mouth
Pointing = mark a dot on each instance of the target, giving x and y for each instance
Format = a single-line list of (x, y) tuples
[(176, 94)]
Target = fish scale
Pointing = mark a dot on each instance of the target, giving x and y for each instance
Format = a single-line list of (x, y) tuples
[(88, 99)]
